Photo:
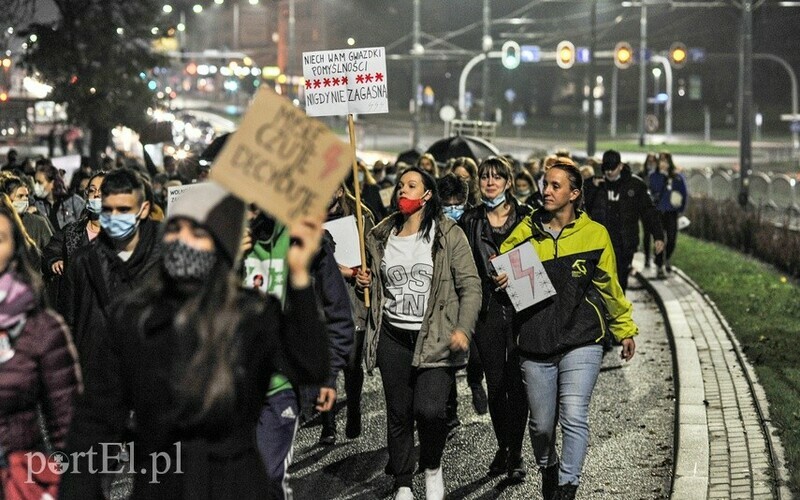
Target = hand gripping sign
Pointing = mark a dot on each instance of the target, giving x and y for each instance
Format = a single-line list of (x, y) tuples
[(281, 160)]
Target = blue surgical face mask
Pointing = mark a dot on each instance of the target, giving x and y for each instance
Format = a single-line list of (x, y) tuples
[(496, 202), (94, 205), (119, 227), (453, 211), (360, 177)]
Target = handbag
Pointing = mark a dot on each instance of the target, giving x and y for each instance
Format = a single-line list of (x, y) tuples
[(675, 199)]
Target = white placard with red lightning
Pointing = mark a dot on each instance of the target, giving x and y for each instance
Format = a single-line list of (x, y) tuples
[(347, 81), (528, 283)]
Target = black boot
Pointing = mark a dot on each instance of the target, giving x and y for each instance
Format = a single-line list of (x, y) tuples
[(550, 481), (516, 467), (499, 463), (328, 435), (566, 492), (352, 428)]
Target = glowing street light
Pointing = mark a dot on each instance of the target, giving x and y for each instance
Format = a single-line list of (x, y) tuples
[(351, 41), (167, 8), (197, 8)]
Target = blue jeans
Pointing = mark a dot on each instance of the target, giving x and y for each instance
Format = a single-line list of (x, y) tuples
[(560, 389)]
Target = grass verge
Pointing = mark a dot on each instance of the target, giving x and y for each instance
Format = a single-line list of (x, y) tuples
[(763, 308)]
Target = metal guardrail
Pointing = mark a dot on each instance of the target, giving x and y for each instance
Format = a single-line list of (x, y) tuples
[(773, 192)]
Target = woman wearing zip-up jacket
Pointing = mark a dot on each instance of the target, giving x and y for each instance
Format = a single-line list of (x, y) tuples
[(425, 296), (560, 337), (486, 227)]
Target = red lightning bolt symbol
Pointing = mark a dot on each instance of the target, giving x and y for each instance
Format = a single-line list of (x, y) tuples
[(331, 158), (516, 269)]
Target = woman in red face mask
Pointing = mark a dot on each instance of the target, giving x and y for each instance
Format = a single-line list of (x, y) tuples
[(425, 297)]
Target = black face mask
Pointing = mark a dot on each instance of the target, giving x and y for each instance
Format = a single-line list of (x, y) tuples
[(183, 262)]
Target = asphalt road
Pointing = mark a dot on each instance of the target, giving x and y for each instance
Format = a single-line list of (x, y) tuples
[(630, 454)]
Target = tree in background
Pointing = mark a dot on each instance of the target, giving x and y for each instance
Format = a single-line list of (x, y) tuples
[(94, 57)]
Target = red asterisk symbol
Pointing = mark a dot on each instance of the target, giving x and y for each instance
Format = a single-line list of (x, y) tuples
[(344, 80), (359, 78), (378, 77), (316, 84), (368, 78), (308, 84), (326, 82), (336, 80)]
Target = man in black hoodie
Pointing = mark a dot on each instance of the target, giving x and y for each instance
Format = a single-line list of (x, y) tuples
[(121, 258), (619, 200)]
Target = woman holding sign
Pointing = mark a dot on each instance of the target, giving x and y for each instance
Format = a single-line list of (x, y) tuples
[(560, 338), (425, 295), (486, 227)]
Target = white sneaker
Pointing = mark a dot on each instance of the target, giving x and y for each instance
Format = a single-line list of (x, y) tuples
[(403, 493), (434, 484)]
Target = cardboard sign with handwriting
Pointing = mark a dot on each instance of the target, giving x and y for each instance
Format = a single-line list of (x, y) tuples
[(283, 161)]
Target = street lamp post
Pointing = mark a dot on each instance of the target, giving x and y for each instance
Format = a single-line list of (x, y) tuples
[(656, 78), (745, 101), (642, 70), (415, 76)]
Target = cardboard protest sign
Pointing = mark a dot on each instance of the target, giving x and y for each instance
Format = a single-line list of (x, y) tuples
[(347, 81), (345, 234), (528, 283), (283, 161)]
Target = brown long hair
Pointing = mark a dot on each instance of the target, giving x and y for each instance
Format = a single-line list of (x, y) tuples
[(24, 250)]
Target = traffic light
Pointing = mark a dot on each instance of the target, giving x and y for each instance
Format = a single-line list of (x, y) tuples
[(677, 55), (623, 55), (511, 54), (565, 54)]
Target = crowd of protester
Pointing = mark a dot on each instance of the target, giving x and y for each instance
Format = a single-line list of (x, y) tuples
[(208, 335)]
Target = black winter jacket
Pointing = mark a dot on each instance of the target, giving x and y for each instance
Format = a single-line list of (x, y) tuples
[(619, 206), (215, 459), (479, 235), (95, 277)]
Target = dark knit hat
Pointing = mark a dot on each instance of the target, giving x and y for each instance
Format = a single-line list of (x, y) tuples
[(611, 159), (218, 211)]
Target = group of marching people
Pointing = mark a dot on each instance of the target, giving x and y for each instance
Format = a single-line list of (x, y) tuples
[(206, 336)]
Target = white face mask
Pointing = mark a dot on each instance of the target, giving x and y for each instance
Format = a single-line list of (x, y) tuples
[(21, 206), (39, 191)]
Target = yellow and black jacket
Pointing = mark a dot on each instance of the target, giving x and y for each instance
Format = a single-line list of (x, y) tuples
[(589, 300)]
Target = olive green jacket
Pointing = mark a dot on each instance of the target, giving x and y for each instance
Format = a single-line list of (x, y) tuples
[(454, 302)]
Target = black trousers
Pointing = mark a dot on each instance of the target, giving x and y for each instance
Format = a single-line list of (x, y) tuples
[(624, 260), (412, 394), (508, 404), (669, 221)]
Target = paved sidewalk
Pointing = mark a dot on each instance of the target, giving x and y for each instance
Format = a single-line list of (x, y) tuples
[(722, 449)]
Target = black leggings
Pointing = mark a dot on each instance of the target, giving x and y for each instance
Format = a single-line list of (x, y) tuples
[(412, 395), (669, 221), (508, 404)]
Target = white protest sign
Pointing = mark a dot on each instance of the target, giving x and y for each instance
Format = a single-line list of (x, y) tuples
[(280, 159), (345, 234), (347, 81), (528, 283), (175, 192), (69, 164)]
